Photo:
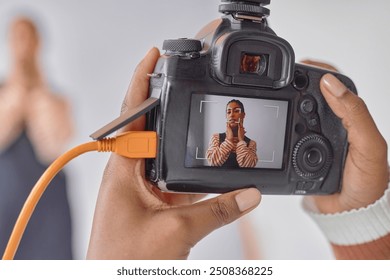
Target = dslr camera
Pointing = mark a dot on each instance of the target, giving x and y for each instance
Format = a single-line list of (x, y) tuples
[(232, 110)]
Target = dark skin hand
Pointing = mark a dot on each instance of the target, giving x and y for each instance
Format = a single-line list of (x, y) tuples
[(366, 173), (135, 220)]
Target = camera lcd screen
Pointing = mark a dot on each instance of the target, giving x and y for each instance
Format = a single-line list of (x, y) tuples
[(236, 132)]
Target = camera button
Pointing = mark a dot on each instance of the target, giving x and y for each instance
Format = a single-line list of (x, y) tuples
[(313, 122), (301, 81), (305, 185), (300, 128), (307, 106)]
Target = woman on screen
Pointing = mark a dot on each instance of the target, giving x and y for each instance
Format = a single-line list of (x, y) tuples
[(232, 148)]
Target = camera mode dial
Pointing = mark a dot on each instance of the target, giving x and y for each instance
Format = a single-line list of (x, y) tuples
[(250, 8), (312, 156)]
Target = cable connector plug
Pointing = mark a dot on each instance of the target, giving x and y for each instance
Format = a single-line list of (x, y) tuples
[(131, 144)]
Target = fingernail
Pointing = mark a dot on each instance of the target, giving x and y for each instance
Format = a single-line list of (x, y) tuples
[(248, 199), (334, 85)]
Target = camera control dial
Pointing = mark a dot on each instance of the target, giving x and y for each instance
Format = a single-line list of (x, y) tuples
[(182, 45), (312, 156)]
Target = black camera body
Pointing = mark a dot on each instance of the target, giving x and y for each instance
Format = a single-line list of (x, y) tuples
[(297, 144)]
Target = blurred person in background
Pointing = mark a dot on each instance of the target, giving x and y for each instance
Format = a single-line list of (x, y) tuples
[(35, 126)]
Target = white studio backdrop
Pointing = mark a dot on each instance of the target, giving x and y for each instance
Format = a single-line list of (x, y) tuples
[(91, 49)]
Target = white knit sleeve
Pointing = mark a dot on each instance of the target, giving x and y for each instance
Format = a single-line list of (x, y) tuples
[(356, 226)]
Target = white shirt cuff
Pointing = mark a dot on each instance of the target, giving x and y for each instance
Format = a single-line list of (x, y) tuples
[(356, 226)]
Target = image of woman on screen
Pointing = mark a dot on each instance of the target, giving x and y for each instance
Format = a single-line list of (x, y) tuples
[(232, 148)]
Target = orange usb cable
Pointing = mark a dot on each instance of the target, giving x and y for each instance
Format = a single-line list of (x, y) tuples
[(132, 144)]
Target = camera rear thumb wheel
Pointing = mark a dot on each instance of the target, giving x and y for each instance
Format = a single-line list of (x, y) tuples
[(312, 156)]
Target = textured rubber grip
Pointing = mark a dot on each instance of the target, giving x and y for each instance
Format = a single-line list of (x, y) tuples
[(182, 45)]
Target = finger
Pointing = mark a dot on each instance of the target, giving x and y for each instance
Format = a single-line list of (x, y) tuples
[(320, 64), (363, 134), (204, 217), (138, 90), (388, 171)]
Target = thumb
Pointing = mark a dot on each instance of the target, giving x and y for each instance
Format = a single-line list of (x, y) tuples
[(206, 216), (138, 90), (357, 120)]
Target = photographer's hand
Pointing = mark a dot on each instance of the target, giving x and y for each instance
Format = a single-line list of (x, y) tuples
[(365, 179), (134, 220), (365, 175)]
